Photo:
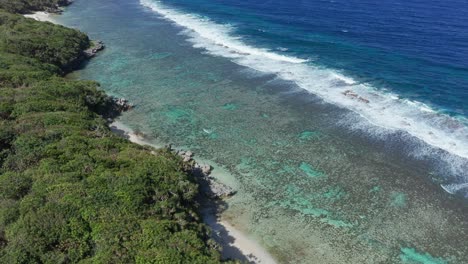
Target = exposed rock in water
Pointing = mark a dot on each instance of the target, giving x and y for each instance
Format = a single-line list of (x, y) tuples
[(206, 169), (56, 9), (113, 107), (209, 186), (53, 10), (214, 189), (122, 104), (64, 3), (96, 46), (186, 156)]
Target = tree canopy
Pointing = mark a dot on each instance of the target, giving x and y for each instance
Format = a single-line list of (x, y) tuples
[(26, 6)]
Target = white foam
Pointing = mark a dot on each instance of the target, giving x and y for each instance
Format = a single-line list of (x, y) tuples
[(383, 109), (454, 188)]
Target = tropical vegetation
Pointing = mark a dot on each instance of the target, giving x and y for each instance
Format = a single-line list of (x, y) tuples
[(70, 190)]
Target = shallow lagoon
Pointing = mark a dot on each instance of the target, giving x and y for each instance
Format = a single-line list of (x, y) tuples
[(316, 184)]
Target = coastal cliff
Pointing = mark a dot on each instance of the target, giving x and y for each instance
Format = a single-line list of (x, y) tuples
[(71, 190)]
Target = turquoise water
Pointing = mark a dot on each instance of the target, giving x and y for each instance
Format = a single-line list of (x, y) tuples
[(316, 183)]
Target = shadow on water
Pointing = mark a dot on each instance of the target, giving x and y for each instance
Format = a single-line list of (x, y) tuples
[(211, 210)]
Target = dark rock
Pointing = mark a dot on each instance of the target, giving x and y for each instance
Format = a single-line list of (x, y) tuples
[(206, 169), (122, 104), (168, 147), (96, 46), (209, 186), (215, 189), (364, 100), (53, 10), (64, 2), (112, 108)]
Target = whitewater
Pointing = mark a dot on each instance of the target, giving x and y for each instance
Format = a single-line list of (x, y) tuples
[(386, 111)]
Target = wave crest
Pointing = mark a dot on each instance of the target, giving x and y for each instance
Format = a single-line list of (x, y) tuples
[(383, 109)]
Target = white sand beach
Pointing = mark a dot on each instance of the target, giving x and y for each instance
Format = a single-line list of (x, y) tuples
[(236, 245), (249, 248), (42, 16)]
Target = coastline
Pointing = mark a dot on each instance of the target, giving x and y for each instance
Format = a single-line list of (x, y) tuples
[(296, 137), (235, 244)]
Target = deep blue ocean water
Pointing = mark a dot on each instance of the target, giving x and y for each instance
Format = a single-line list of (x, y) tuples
[(400, 65), (417, 49)]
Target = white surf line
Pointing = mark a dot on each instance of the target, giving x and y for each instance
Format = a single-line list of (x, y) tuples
[(454, 188), (384, 110)]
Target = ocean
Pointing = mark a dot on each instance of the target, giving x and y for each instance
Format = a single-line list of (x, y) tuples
[(342, 124)]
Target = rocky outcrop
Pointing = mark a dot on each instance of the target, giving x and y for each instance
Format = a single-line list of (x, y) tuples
[(121, 104), (185, 155), (209, 186), (96, 46), (112, 107), (56, 9), (53, 10)]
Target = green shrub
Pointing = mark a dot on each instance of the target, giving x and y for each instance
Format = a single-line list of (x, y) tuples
[(70, 190), (25, 6), (46, 42)]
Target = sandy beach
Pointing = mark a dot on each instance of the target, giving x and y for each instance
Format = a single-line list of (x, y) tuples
[(42, 16), (235, 244)]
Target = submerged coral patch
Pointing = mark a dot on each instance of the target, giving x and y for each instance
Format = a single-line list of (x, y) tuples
[(230, 106), (175, 114), (310, 171), (398, 199), (307, 135), (410, 255)]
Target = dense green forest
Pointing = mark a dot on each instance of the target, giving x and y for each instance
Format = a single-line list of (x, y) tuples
[(25, 6), (70, 190)]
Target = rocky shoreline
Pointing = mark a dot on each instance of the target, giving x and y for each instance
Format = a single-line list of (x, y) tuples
[(96, 46), (234, 243), (209, 186), (57, 9)]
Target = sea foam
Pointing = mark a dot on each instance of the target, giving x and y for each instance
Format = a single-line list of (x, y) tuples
[(381, 108)]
